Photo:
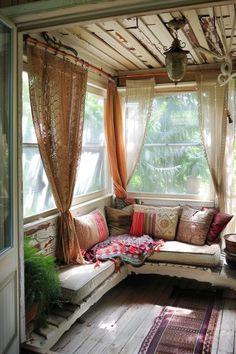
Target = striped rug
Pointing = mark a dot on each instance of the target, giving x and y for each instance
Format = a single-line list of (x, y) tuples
[(185, 327)]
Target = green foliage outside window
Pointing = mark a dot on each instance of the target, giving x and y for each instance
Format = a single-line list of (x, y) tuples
[(173, 150)]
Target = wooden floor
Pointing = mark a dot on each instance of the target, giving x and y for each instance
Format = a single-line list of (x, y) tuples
[(121, 319)]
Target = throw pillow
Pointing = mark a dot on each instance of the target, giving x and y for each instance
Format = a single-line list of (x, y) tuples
[(119, 220), (159, 222), (194, 225), (120, 203), (91, 229), (219, 222)]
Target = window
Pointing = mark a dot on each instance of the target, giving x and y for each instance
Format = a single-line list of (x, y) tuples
[(91, 170), (172, 159), (91, 176), (37, 195)]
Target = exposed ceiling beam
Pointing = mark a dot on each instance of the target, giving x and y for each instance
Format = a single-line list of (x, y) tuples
[(146, 37), (159, 30), (190, 68), (119, 39), (131, 43), (195, 24), (87, 49), (101, 45)]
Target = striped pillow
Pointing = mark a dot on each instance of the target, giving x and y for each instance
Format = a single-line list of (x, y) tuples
[(91, 229), (158, 222)]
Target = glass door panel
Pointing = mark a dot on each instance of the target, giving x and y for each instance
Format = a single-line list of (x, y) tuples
[(5, 137)]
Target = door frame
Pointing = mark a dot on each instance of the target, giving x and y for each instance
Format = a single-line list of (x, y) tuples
[(49, 13), (9, 258)]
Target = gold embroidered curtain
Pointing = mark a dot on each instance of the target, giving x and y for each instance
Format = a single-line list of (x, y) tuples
[(114, 139), (57, 94)]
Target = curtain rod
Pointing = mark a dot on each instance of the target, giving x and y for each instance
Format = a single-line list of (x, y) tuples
[(35, 41)]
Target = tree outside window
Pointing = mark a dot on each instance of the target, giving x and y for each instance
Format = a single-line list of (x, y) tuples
[(172, 159)]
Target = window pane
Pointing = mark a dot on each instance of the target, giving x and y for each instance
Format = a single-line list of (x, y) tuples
[(5, 138), (91, 170), (28, 131), (172, 160), (36, 192), (90, 174), (37, 195)]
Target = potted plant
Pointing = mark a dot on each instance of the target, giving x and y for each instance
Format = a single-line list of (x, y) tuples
[(42, 285)]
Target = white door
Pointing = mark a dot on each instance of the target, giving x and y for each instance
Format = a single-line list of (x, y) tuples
[(9, 284)]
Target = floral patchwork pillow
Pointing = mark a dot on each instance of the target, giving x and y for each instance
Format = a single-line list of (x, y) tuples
[(158, 222)]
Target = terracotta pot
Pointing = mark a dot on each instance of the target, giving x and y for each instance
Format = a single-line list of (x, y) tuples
[(230, 243), (31, 313)]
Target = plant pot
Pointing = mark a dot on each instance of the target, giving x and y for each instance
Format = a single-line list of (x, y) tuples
[(31, 313), (230, 242)]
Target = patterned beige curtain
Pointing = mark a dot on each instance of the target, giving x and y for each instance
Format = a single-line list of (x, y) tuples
[(57, 94), (139, 98), (212, 100)]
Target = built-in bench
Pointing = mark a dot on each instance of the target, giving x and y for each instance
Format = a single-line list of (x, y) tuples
[(84, 285)]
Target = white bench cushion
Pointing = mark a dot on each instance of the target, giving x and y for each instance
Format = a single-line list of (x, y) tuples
[(78, 281), (184, 253)]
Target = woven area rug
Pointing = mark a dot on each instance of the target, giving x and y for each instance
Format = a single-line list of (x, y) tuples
[(187, 326)]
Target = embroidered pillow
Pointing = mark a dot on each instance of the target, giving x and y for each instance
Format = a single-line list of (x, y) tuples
[(91, 229), (158, 222), (194, 225), (219, 222), (119, 220)]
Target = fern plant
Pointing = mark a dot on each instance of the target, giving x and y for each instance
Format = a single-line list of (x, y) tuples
[(42, 285)]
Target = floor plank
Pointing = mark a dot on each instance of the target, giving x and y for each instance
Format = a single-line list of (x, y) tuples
[(119, 322), (227, 334)]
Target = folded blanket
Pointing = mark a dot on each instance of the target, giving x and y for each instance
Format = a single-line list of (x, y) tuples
[(128, 249)]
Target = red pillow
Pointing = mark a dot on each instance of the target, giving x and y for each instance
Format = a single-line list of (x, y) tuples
[(219, 222)]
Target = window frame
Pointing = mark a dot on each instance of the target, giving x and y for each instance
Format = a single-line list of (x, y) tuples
[(164, 89), (98, 90)]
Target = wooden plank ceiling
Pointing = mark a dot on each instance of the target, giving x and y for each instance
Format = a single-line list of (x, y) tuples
[(138, 43)]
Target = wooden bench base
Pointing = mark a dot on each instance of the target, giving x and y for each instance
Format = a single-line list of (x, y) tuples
[(61, 320)]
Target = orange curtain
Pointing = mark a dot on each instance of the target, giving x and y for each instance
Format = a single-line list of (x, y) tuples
[(114, 140), (57, 94)]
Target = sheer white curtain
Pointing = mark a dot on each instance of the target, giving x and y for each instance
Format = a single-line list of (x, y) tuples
[(212, 100), (230, 159), (139, 98)]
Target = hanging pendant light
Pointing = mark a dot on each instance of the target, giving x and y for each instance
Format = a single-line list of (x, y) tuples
[(176, 57)]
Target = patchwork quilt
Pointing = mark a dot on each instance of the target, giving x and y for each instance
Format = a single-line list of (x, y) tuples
[(126, 248)]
